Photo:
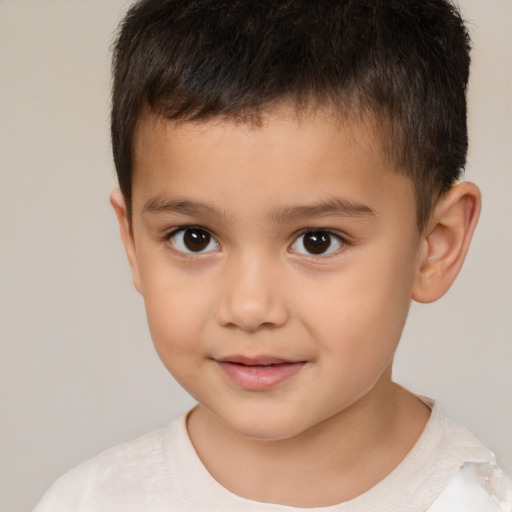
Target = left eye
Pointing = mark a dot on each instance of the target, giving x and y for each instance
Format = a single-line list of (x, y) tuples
[(193, 240), (317, 243)]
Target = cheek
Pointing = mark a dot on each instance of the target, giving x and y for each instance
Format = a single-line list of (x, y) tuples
[(176, 313), (360, 315)]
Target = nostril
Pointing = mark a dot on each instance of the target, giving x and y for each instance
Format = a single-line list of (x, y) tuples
[(251, 314)]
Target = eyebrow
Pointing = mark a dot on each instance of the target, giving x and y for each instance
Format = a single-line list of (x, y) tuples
[(334, 206), (161, 204)]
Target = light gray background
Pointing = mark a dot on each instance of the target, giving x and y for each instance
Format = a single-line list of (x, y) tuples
[(77, 369)]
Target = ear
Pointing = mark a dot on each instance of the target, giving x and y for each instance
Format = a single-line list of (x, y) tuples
[(118, 203), (445, 242)]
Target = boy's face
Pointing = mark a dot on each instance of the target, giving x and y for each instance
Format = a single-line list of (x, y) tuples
[(276, 264)]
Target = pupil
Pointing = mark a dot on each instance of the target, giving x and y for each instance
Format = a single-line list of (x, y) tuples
[(196, 239), (317, 242)]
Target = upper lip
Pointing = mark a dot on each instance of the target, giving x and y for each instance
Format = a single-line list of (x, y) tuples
[(254, 361)]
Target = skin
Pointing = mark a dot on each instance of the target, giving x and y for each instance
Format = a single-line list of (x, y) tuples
[(338, 425)]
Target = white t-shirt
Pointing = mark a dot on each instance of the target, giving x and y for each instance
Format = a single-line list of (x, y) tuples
[(448, 470)]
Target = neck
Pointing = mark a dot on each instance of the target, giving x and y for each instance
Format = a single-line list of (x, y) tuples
[(334, 461)]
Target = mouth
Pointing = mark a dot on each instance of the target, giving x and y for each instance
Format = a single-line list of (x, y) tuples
[(259, 373)]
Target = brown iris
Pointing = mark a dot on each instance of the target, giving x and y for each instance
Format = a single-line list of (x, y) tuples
[(317, 242), (196, 239)]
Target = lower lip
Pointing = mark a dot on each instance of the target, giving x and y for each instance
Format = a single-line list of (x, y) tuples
[(259, 378)]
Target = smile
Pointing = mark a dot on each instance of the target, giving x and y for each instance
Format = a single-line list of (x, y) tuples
[(258, 374)]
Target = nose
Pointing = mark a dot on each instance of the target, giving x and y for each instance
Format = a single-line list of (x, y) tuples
[(252, 297)]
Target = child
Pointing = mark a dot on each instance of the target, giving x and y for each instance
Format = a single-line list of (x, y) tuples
[(288, 183)]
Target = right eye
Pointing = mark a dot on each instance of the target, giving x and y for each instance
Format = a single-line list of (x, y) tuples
[(193, 240)]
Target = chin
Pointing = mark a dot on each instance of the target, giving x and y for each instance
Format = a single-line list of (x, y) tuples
[(265, 426)]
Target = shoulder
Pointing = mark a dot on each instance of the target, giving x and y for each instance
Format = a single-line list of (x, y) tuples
[(124, 472), (451, 444), (471, 479), (477, 487), (434, 474)]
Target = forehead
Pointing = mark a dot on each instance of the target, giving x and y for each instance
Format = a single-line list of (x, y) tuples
[(314, 120), (286, 156)]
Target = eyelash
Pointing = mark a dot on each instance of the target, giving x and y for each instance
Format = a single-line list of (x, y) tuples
[(209, 239)]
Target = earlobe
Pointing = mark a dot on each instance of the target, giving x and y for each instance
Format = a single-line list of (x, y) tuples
[(118, 203), (446, 241)]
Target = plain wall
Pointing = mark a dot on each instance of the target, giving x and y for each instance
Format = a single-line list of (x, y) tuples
[(77, 369)]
